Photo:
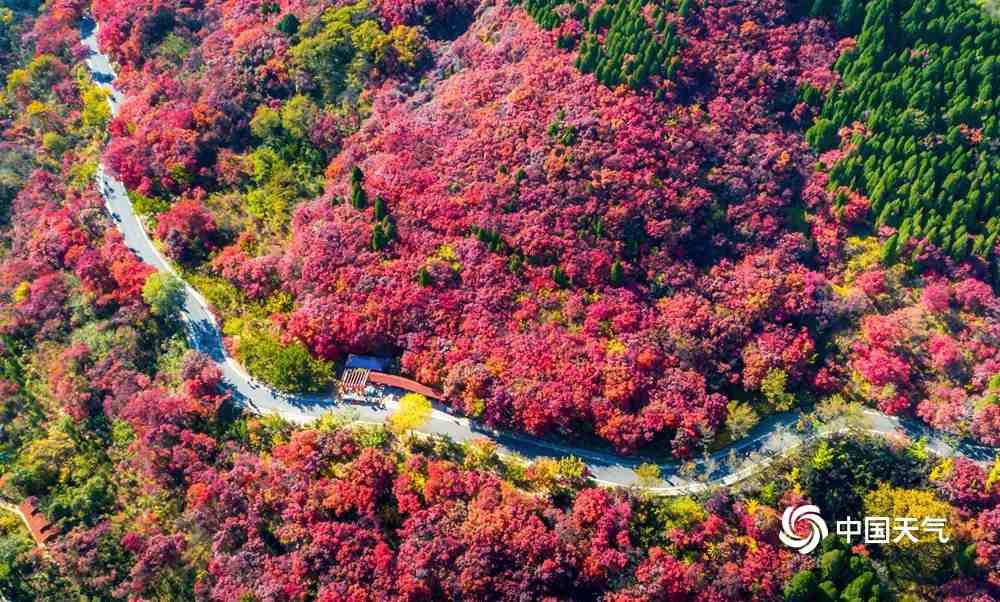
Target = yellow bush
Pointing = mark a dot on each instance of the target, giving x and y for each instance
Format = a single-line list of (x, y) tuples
[(413, 412), (21, 292), (96, 111)]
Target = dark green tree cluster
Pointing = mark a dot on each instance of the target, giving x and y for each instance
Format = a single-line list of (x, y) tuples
[(848, 15), (547, 13), (491, 238), (494, 241), (617, 275), (384, 230), (560, 132), (847, 467), (626, 33), (923, 79), (559, 277), (359, 198), (839, 576), (383, 233), (424, 278), (288, 25)]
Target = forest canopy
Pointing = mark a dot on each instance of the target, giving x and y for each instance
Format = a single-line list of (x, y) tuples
[(649, 228)]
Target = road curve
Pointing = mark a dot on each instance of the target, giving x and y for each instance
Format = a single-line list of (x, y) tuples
[(775, 435)]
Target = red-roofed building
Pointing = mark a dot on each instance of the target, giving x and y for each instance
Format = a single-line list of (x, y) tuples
[(42, 531)]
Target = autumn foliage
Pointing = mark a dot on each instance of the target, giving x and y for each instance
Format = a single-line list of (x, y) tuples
[(652, 223)]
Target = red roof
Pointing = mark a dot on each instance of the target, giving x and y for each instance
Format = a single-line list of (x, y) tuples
[(41, 529), (404, 383)]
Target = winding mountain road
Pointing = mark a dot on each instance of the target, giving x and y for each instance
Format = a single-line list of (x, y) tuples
[(773, 436)]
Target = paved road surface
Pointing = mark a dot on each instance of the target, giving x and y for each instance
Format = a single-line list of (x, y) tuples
[(773, 436)]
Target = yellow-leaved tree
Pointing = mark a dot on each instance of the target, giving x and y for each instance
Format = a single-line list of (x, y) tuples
[(922, 560), (413, 412)]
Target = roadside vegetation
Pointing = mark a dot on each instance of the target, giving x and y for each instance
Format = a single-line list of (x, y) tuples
[(620, 220)]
